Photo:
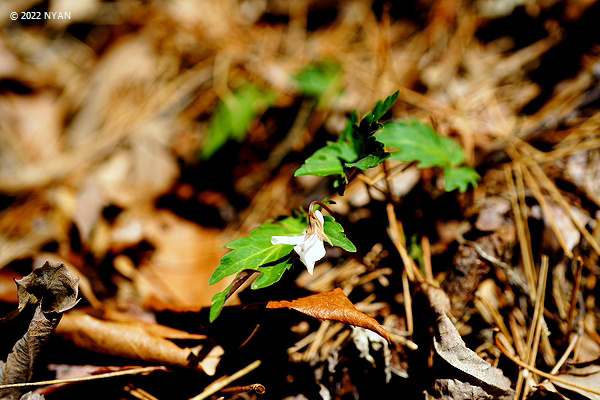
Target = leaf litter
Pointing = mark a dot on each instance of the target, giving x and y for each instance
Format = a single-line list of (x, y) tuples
[(106, 121)]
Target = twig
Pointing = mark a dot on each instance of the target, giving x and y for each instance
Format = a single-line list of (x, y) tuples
[(254, 388), (133, 371), (533, 336), (250, 337), (564, 357), (139, 393), (224, 381), (407, 304), (409, 265), (317, 341), (427, 259), (575, 293)]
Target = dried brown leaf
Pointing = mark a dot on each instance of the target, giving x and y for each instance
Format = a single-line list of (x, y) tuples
[(585, 374), (19, 364), (482, 377), (135, 341), (449, 346), (51, 285), (53, 290), (333, 306)]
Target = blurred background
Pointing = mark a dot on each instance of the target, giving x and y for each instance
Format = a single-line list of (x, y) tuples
[(138, 137)]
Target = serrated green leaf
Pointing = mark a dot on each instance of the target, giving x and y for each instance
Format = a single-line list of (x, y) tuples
[(253, 251), (381, 108), (415, 141), (460, 178), (327, 160), (271, 274), (218, 303), (355, 148), (365, 163), (375, 154), (233, 117), (335, 233), (315, 80)]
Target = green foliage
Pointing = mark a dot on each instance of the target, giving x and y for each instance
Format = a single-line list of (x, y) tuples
[(317, 80), (328, 160), (218, 303), (414, 141), (234, 115), (460, 177), (356, 147), (335, 233), (256, 252), (253, 251)]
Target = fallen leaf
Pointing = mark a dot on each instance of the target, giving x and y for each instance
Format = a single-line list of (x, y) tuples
[(51, 285), (585, 374), (449, 346), (135, 341), (333, 306), (19, 364), (52, 290), (478, 379)]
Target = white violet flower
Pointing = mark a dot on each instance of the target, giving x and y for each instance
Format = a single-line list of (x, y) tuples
[(309, 245)]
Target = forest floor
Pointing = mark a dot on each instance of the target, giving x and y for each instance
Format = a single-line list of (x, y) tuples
[(139, 138)]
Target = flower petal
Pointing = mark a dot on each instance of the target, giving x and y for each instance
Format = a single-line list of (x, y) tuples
[(311, 251), (319, 216), (295, 240)]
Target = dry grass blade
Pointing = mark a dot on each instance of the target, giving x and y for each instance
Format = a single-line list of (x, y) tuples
[(133, 371), (535, 329), (537, 193), (222, 382), (549, 186), (520, 222), (396, 235), (542, 373)]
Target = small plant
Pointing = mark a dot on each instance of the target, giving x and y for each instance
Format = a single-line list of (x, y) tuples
[(269, 249), (415, 141), (234, 115), (356, 147)]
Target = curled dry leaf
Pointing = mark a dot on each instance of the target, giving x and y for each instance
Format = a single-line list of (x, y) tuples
[(482, 379), (333, 306), (450, 347), (51, 285), (136, 341), (52, 290)]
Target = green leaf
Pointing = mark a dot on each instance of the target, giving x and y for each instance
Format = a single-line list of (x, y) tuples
[(327, 160), (415, 141), (253, 251), (233, 117), (375, 154), (356, 147), (315, 80), (335, 233), (381, 108), (271, 274), (218, 303), (460, 177), (256, 253)]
